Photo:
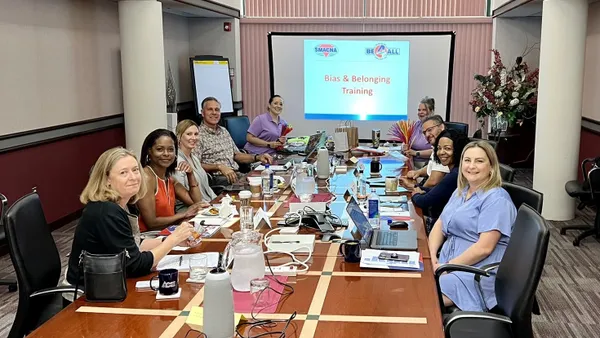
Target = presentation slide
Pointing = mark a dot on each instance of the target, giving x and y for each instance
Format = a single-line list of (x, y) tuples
[(368, 80), (211, 78)]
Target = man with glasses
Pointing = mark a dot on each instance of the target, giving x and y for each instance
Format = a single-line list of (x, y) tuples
[(432, 127)]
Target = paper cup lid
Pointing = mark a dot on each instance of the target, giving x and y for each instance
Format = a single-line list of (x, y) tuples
[(245, 194)]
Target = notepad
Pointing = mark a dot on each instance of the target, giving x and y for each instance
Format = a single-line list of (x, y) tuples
[(195, 318), (160, 296)]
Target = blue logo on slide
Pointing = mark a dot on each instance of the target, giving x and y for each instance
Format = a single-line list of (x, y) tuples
[(326, 49), (381, 51)]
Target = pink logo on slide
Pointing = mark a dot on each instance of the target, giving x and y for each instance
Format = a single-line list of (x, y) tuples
[(326, 49)]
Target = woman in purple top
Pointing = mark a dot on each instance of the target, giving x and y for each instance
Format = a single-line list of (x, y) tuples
[(421, 149), (264, 134), (474, 228)]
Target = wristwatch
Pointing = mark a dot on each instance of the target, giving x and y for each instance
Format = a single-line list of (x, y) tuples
[(255, 155), (418, 154)]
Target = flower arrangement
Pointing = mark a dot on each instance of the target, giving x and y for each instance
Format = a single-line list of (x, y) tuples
[(284, 131), (402, 131), (506, 93)]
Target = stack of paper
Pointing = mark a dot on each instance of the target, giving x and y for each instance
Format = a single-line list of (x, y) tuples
[(182, 262), (370, 259), (393, 211)]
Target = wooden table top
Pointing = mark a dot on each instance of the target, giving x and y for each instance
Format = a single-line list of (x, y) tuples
[(334, 298)]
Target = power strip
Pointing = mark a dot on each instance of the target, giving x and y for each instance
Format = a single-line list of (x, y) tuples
[(281, 270)]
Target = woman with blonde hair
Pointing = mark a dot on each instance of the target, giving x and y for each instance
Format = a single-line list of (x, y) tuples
[(474, 228), (421, 150), (109, 223), (187, 136)]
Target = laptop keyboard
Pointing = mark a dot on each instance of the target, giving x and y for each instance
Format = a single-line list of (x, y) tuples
[(387, 238)]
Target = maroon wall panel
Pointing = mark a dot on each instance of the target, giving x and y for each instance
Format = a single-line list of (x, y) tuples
[(589, 146), (58, 169)]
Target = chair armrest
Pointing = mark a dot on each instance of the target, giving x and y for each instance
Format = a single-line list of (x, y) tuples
[(487, 268), (57, 289), (480, 322), (454, 267), (459, 267)]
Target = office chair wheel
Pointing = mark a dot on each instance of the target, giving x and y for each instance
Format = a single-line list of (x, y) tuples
[(576, 242), (12, 288), (563, 231)]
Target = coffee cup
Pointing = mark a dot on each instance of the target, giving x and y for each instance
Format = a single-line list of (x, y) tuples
[(391, 183), (168, 282), (351, 251), (376, 166), (245, 196)]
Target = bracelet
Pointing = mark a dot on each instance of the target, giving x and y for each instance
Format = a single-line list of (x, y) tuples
[(163, 239), (255, 157), (418, 154), (193, 186)]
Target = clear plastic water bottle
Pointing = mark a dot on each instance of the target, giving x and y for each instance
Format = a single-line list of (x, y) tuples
[(361, 184), (267, 181), (373, 209)]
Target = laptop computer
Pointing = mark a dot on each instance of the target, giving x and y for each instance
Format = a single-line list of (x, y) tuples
[(302, 148), (379, 239)]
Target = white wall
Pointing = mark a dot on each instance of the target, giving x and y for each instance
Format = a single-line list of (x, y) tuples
[(591, 78), (237, 4), (59, 62), (177, 51), (512, 36), (207, 37), (497, 3)]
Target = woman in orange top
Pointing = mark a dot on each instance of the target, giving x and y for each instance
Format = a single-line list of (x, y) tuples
[(157, 207)]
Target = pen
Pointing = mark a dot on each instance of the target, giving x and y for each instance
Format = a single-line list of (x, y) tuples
[(180, 260), (285, 242)]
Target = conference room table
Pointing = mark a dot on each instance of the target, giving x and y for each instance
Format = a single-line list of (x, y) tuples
[(333, 298)]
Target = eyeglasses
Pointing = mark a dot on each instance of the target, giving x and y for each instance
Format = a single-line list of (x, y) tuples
[(428, 130)]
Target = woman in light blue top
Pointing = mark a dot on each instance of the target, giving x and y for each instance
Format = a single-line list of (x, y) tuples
[(474, 228), (187, 134)]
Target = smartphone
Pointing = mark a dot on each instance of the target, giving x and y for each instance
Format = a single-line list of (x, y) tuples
[(393, 256)]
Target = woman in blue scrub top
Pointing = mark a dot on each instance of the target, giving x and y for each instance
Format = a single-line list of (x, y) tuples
[(474, 228)]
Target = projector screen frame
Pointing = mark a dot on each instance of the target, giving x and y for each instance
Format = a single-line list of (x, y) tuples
[(452, 35), (193, 74)]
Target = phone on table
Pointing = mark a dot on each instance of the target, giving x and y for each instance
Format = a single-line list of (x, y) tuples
[(393, 256)]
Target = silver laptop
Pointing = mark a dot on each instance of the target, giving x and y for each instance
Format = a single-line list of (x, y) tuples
[(379, 239)]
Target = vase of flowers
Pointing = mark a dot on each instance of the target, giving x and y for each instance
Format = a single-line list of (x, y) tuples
[(507, 96)]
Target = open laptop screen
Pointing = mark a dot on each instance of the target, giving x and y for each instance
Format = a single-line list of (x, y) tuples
[(360, 220)]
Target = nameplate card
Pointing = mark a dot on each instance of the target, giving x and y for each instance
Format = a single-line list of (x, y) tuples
[(261, 216)]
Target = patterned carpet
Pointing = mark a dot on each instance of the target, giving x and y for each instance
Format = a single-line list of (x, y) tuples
[(569, 292)]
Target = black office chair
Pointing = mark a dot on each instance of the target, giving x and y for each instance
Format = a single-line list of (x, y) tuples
[(237, 126), (517, 279), (37, 265), (458, 126), (12, 284), (521, 195), (477, 133), (588, 194), (507, 173), (493, 143)]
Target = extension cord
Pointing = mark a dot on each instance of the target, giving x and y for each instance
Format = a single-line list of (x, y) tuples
[(281, 270)]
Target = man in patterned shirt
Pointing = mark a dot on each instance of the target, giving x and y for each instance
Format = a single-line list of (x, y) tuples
[(216, 150)]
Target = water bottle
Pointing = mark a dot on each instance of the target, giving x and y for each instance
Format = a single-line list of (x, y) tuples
[(267, 181), (361, 184), (323, 164), (373, 207), (218, 320)]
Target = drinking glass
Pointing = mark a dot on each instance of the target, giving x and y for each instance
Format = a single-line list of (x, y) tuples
[(246, 218), (198, 267), (261, 293)]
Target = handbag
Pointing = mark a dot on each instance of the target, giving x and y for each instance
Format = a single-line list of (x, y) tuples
[(104, 276)]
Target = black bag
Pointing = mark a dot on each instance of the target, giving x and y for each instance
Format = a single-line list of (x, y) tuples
[(103, 276)]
